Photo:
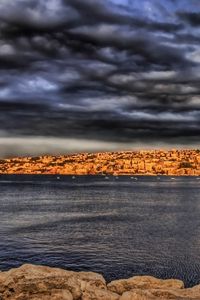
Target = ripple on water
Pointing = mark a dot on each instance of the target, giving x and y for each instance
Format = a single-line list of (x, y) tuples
[(118, 226)]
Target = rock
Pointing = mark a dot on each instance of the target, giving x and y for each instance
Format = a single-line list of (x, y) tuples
[(99, 294), (143, 282), (156, 294), (44, 283), (30, 282), (53, 295), (138, 295)]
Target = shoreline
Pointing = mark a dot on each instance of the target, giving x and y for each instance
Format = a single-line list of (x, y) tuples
[(43, 283), (99, 175), (133, 163)]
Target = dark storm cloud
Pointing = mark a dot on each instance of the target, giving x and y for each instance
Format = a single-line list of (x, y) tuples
[(107, 71), (193, 18)]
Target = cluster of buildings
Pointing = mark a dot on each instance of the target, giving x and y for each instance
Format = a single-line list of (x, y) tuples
[(144, 162)]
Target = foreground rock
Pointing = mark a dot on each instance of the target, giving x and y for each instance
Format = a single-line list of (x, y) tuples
[(44, 283)]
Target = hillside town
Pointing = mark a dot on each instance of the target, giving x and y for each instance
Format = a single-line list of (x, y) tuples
[(153, 162)]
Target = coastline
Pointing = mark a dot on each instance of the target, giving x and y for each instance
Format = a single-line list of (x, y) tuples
[(97, 175), (42, 283), (132, 163)]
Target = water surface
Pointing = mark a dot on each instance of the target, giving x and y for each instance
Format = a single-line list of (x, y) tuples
[(116, 226)]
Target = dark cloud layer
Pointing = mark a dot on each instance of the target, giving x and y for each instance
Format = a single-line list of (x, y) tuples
[(119, 72), (193, 18)]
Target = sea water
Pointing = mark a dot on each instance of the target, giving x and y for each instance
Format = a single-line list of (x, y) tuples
[(118, 226)]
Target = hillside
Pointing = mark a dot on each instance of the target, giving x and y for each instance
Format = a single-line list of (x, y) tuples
[(173, 162)]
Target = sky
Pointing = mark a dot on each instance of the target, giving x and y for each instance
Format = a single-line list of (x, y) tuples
[(95, 75)]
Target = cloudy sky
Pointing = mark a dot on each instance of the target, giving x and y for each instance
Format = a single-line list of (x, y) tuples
[(84, 75)]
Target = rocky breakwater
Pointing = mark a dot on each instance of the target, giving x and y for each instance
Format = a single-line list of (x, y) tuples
[(45, 283)]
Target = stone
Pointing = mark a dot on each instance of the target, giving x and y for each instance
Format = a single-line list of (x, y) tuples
[(30, 282), (99, 294), (42, 282), (165, 294), (143, 282)]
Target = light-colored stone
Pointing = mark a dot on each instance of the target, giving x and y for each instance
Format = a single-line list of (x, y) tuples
[(43, 283), (138, 295), (54, 295), (143, 282), (162, 294), (99, 294)]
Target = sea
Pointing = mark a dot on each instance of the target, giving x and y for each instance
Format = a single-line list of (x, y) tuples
[(119, 226)]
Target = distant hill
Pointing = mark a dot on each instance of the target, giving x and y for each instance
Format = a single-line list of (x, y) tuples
[(154, 162)]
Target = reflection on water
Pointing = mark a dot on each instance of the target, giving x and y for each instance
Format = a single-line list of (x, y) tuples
[(119, 227)]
